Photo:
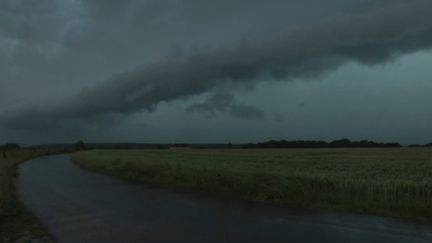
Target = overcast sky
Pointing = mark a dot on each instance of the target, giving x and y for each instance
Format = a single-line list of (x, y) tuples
[(215, 71)]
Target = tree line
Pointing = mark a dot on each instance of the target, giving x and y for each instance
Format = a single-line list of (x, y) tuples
[(343, 143)]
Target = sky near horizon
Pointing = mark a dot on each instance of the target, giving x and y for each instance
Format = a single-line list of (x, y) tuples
[(199, 71)]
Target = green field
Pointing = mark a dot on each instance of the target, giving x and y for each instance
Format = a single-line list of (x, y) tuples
[(393, 182), (15, 221)]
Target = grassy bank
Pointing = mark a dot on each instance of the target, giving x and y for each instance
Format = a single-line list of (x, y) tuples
[(15, 221), (390, 182)]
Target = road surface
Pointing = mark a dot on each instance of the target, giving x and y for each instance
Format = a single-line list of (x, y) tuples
[(80, 206)]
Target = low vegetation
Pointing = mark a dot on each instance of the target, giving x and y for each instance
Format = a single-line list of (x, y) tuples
[(393, 182), (15, 221)]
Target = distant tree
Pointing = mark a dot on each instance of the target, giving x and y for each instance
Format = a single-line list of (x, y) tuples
[(343, 143), (414, 145), (80, 145), (11, 146)]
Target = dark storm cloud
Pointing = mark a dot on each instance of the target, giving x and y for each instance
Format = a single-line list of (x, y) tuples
[(226, 103), (31, 21), (372, 36)]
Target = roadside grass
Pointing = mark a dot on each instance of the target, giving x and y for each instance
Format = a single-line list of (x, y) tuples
[(395, 182), (16, 223)]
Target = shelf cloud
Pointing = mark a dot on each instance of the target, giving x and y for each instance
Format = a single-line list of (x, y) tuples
[(379, 33)]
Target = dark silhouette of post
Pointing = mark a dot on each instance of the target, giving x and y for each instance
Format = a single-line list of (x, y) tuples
[(4, 154)]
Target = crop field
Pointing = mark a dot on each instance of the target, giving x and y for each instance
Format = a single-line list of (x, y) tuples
[(15, 221), (393, 182)]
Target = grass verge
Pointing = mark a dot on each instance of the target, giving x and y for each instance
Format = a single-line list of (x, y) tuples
[(394, 182), (16, 223)]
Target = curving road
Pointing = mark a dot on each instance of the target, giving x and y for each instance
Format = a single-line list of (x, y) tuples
[(80, 206)]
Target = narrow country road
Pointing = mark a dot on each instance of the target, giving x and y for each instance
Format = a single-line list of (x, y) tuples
[(80, 206)]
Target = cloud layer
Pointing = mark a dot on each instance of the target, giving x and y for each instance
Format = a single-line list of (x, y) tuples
[(226, 103), (377, 34)]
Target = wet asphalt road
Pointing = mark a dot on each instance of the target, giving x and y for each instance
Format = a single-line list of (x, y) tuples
[(80, 206)]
